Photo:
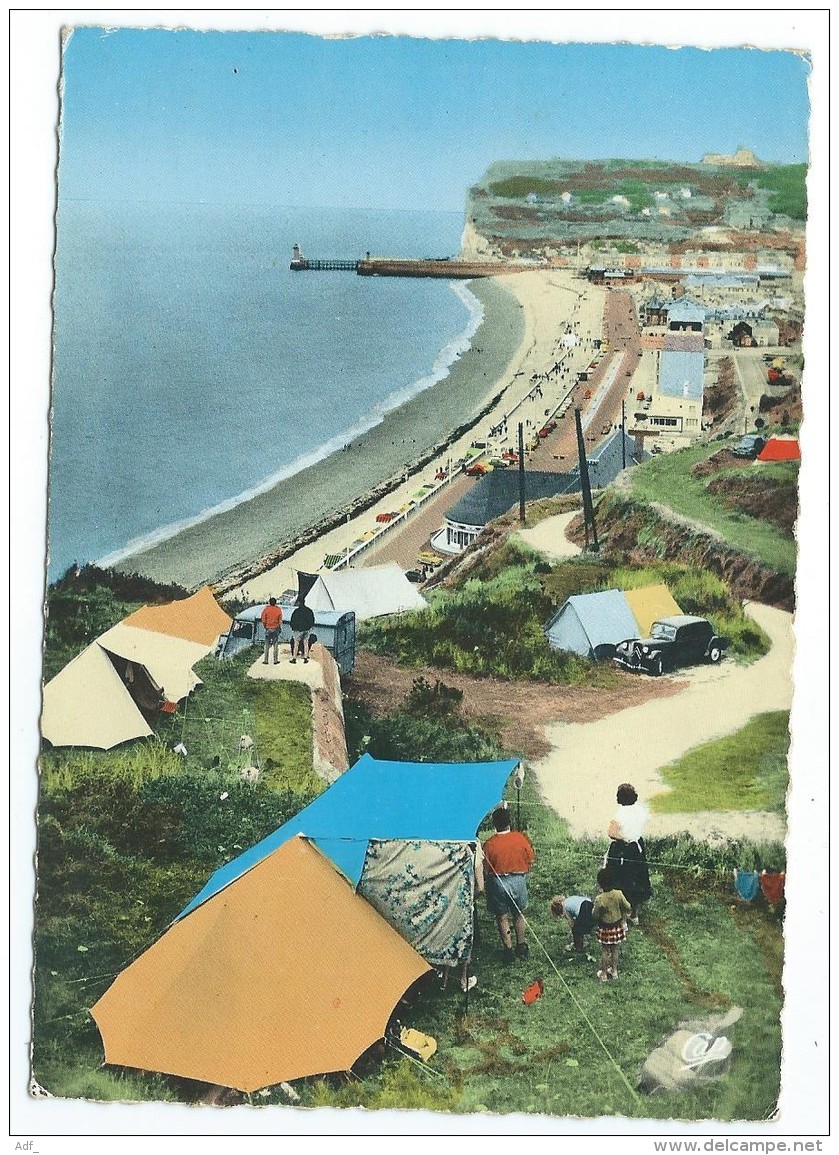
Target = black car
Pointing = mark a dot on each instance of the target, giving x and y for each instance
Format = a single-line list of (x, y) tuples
[(676, 641), (749, 446)]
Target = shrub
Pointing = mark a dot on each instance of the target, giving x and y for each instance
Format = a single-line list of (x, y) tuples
[(438, 700), (406, 737), (492, 625)]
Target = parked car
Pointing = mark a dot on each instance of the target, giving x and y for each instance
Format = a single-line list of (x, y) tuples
[(415, 575), (749, 446), (676, 641)]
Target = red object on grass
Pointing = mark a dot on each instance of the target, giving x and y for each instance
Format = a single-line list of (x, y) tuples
[(780, 449), (772, 886), (168, 707), (533, 992)]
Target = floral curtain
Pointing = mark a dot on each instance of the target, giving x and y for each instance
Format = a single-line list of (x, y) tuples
[(426, 891)]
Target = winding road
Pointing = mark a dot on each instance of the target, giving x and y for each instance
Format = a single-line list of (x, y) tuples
[(578, 779)]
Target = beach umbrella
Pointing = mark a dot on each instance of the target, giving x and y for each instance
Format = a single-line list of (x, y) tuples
[(286, 973)]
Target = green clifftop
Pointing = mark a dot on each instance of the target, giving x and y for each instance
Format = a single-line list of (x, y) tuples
[(535, 204)]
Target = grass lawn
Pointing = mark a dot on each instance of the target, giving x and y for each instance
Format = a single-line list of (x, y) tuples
[(745, 771), (277, 715), (667, 479)]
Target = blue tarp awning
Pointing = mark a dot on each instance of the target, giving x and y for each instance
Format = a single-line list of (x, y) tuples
[(378, 799)]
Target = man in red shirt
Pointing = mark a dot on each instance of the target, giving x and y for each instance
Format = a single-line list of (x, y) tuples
[(508, 857), (272, 619)]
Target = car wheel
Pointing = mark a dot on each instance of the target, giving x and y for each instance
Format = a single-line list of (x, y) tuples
[(714, 653), (657, 667)]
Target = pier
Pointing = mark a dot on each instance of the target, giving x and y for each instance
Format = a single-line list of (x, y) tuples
[(397, 267), (304, 265)]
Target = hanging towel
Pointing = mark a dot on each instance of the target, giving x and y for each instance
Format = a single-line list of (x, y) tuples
[(747, 884), (772, 886)]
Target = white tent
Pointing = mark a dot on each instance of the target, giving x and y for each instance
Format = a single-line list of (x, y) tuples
[(371, 593), (87, 704), (168, 660)]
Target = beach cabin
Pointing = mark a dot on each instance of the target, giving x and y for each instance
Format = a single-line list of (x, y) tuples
[(591, 625), (334, 629)]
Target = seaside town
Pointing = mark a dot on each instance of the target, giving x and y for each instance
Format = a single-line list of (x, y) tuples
[(468, 794)]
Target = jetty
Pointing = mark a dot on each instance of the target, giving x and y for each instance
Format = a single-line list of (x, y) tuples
[(369, 266)]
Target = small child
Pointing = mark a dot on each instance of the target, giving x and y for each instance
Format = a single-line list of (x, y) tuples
[(610, 911), (577, 910)]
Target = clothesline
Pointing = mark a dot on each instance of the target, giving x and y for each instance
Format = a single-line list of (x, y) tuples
[(548, 846)]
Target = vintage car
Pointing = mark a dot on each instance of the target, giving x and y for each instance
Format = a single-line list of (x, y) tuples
[(749, 446), (675, 641)]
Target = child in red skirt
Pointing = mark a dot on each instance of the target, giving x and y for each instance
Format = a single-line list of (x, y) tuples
[(610, 912)]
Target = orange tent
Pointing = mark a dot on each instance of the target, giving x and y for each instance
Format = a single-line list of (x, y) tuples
[(780, 449), (246, 993), (198, 618)]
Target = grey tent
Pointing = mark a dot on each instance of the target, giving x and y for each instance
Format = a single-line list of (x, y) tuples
[(592, 624)]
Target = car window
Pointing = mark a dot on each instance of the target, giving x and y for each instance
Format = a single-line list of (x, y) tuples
[(663, 631)]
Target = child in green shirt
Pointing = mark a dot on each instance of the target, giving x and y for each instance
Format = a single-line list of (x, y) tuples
[(610, 912)]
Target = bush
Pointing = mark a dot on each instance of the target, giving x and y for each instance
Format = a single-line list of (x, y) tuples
[(405, 738), (492, 625), (438, 700)]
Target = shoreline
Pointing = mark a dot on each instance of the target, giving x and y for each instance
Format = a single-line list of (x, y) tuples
[(553, 305), (365, 424), (242, 542)]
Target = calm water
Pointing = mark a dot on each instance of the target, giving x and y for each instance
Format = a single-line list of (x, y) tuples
[(192, 366)]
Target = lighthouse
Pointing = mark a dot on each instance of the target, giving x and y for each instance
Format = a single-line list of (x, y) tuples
[(298, 261)]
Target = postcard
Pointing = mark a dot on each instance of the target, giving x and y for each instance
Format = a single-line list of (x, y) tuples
[(431, 723)]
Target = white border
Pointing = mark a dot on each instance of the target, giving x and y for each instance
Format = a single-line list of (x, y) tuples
[(34, 66)]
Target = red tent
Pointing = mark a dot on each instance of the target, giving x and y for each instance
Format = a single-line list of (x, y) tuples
[(780, 449)]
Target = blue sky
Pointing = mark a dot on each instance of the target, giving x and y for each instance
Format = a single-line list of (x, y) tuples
[(285, 118)]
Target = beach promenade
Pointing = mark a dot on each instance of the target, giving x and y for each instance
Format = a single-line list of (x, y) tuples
[(557, 309)]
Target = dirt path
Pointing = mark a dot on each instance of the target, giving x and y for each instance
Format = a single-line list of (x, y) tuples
[(548, 536), (589, 760), (519, 712)]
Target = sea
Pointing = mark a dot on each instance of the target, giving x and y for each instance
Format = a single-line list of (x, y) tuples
[(192, 368)]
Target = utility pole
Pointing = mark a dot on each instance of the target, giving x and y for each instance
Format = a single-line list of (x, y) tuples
[(623, 434), (521, 473), (585, 485)]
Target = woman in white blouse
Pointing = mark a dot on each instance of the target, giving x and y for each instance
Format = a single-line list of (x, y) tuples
[(626, 856)]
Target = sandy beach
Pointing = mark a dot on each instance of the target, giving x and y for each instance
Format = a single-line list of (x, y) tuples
[(253, 549)]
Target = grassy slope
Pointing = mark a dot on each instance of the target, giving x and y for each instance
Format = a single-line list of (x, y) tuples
[(745, 771), (108, 887), (667, 479)]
